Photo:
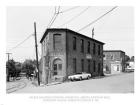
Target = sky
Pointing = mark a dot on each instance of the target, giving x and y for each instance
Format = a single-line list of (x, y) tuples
[(116, 29)]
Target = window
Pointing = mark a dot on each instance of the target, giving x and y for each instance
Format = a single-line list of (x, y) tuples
[(55, 69), (82, 45), (94, 66), (88, 47), (104, 56), (74, 65), (82, 65), (106, 67), (117, 67), (88, 66), (59, 66), (99, 48), (57, 41), (99, 67), (112, 57), (74, 43), (94, 48)]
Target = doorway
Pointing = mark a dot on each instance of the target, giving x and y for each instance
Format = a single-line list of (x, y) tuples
[(57, 67)]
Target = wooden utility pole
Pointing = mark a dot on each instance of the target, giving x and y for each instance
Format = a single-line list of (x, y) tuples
[(36, 53), (7, 69)]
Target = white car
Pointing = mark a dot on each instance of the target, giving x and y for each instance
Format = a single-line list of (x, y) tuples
[(79, 76)]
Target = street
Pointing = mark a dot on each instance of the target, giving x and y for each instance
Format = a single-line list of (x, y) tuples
[(17, 85), (119, 83)]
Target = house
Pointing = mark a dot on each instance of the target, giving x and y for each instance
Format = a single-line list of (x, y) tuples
[(66, 52), (130, 66), (114, 61)]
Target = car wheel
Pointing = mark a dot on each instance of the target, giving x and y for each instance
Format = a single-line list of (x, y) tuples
[(80, 78), (88, 77)]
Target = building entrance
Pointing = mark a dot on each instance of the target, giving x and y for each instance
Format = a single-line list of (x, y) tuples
[(57, 67), (115, 68)]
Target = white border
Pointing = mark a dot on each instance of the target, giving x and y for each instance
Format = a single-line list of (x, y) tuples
[(23, 99)]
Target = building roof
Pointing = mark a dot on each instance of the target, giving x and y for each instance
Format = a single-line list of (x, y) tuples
[(67, 30), (113, 51)]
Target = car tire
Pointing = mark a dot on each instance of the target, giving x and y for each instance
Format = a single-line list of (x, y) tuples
[(80, 78), (88, 77)]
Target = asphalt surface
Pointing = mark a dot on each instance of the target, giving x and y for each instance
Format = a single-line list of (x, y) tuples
[(119, 83)]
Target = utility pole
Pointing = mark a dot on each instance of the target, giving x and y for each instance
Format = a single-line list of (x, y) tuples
[(7, 70), (36, 53)]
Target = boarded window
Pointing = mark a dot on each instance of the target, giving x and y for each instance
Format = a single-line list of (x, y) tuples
[(99, 68), (74, 43), (88, 50), (99, 50), (94, 48), (94, 66), (82, 65), (57, 41), (82, 45), (88, 66), (74, 65)]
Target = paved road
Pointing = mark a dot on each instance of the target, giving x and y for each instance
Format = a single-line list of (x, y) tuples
[(120, 83)]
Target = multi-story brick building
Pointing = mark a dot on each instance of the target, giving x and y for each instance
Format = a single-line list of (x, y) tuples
[(66, 52), (114, 61)]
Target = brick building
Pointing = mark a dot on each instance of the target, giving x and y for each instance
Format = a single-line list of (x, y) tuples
[(114, 61), (65, 52)]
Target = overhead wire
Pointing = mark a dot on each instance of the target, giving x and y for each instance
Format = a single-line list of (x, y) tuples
[(97, 19), (54, 17), (67, 10), (75, 16), (21, 43)]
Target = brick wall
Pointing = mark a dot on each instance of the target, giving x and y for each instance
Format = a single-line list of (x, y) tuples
[(79, 55)]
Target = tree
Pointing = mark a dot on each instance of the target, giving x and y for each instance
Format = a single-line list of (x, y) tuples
[(132, 58), (18, 67), (127, 58), (28, 67), (11, 68)]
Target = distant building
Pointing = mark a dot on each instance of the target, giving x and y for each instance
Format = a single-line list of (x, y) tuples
[(66, 52), (130, 66), (114, 61)]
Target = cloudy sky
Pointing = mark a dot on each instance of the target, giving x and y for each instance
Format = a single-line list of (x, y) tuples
[(116, 29)]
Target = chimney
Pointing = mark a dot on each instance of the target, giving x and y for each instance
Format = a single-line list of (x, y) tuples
[(92, 32)]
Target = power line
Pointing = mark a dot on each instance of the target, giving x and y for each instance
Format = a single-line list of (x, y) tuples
[(97, 19), (20, 43), (75, 17), (54, 17), (53, 20), (69, 9)]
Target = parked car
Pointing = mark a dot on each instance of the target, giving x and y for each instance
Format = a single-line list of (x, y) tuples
[(79, 76)]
